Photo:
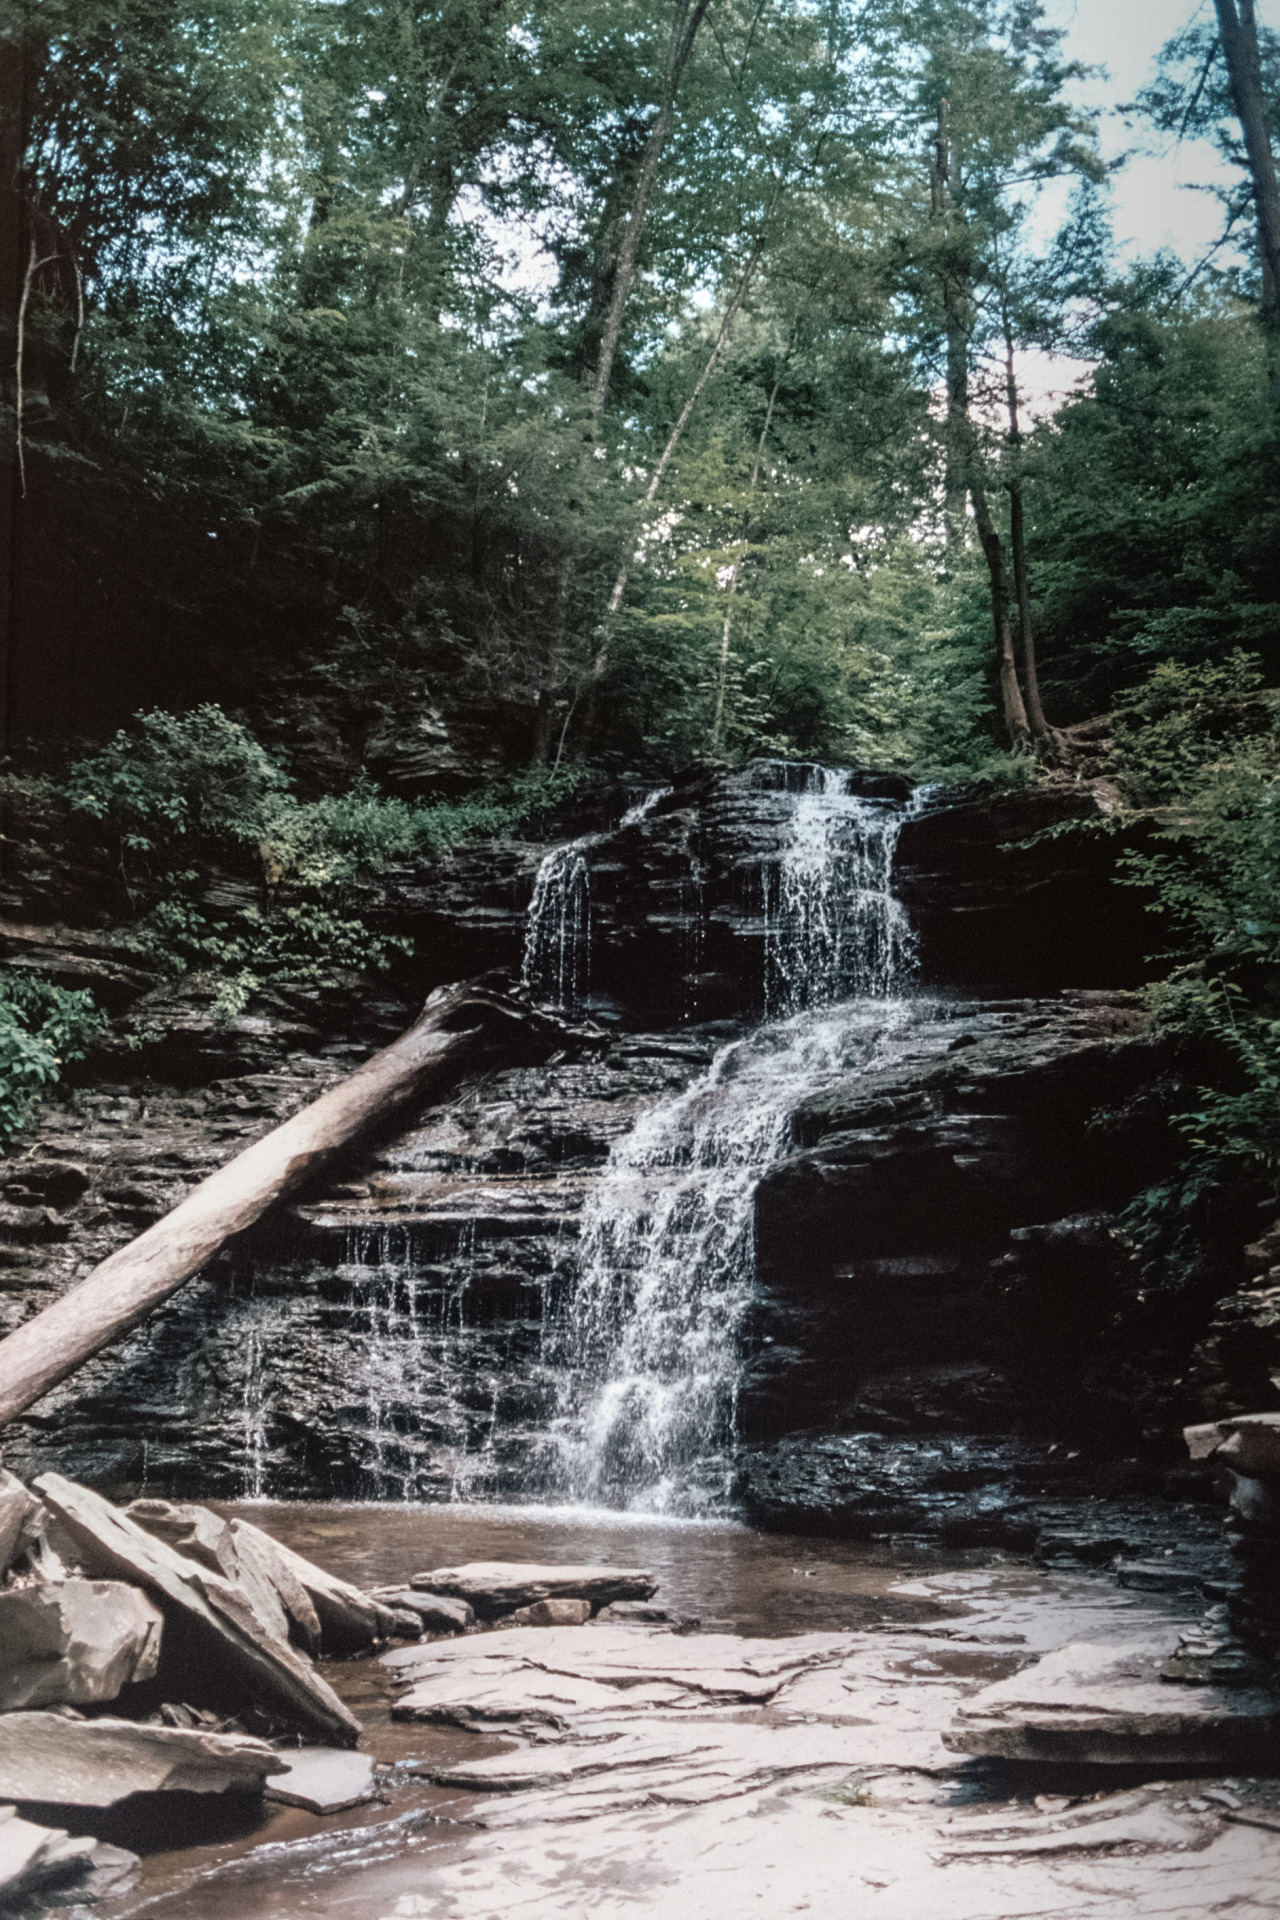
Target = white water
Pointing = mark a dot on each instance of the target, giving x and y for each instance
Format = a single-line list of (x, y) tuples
[(618, 1390), (557, 942), (649, 1345), (833, 927)]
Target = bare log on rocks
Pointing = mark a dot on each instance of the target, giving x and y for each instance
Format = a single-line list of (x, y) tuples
[(459, 1026)]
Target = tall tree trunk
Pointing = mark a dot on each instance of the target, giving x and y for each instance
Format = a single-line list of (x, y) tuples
[(955, 484), (1011, 700), (1238, 27), (674, 438), (1043, 734), (689, 16), (17, 59), (458, 1027), (964, 473), (726, 631)]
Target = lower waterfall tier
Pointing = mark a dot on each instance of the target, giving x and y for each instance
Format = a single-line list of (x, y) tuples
[(935, 1261)]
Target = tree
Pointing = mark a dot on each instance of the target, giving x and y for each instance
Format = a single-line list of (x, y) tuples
[(990, 101), (1238, 28), (1205, 80)]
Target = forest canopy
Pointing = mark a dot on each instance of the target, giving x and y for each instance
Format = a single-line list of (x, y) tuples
[(615, 386)]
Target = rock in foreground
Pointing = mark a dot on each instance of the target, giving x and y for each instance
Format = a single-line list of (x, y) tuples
[(323, 1779), (437, 1612), (1107, 1704), (75, 1642), (94, 1763), (495, 1587), (213, 1617)]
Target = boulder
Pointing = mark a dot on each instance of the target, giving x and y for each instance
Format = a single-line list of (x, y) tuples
[(1106, 1703), (640, 1612), (94, 1763), (349, 1620), (21, 1516), (1157, 1576), (32, 1856), (323, 1779), (1252, 1446), (495, 1587), (222, 1640), (549, 1613), (437, 1612), (75, 1643), (244, 1555)]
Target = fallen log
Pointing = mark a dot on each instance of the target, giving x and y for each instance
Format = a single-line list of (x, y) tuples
[(458, 1027)]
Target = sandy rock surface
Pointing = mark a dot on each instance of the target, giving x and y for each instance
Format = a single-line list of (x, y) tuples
[(75, 1642), (95, 1763)]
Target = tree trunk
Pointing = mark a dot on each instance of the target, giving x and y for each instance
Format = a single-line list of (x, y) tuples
[(553, 692), (955, 484), (684, 31), (658, 475), (15, 247), (722, 675), (1015, 711), (458, 1026), (1238, 27), (1047, 741)]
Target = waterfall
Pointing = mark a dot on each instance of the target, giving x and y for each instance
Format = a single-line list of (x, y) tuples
[(832, 926), (648, 1343), (557, 941)]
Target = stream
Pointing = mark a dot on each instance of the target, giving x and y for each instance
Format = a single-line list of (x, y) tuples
[(241, 1861)]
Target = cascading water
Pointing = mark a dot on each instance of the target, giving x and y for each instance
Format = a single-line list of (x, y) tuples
[(610, 1377), (648, 1343), (833, 927), (557, 942)]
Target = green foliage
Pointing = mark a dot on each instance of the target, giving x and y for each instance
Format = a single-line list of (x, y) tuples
[(1174, 730), (1204, 737), (42, 1029), (1152, 500), (178, 791), (178, 777)]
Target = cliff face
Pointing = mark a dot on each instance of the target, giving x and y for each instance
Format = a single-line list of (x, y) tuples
[(935, 1248)]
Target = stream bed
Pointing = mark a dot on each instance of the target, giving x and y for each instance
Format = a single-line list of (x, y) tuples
[(242, 1859)]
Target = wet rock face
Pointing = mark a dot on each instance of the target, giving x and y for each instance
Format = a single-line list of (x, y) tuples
[(678, 898), (1016, 892), (939, 1248), (393, 1334), (380, 1339)]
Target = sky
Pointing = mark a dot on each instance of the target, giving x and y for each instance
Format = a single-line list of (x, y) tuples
[(1153, 203)]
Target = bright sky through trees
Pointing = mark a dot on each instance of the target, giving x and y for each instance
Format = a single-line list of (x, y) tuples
[(1153, 201)]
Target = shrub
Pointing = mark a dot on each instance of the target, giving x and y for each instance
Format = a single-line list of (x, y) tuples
[(42, 1027)]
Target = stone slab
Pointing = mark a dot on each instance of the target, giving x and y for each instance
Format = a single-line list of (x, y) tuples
[(215, 1614), (45, 1757), (495, 1587), (323, 1779), (75, 1642), (1107, 1705), (21, 1516), (549, 1613), (438, 1612)]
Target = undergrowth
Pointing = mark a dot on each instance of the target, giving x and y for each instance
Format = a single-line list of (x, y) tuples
[(42, 1028), (176, 795)]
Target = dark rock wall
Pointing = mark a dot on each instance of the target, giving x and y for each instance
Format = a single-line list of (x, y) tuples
[(937, 1253)]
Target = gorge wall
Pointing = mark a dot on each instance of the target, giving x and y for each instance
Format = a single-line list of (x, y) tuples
[(917, 1202)]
